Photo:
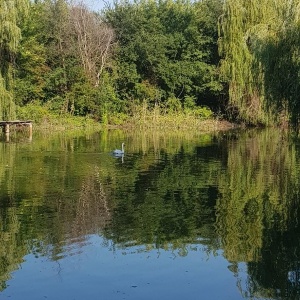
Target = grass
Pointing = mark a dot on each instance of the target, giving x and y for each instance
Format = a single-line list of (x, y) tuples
[(140, 117), (200, 118)]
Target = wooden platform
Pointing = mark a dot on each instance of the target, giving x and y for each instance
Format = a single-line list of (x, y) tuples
[(15, 122), (7, 124)]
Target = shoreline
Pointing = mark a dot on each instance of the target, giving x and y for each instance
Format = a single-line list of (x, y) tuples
[(204, 126)]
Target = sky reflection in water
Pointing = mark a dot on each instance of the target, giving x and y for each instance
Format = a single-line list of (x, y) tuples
[(97, 272)]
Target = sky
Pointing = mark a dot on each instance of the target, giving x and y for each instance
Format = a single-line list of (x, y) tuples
[(96, 5)]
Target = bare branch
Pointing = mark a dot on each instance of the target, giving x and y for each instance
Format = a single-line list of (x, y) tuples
[(94, 40)]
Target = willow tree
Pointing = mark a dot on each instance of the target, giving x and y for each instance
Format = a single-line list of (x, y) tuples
[(247, 28), (279, 57), (11, 14)]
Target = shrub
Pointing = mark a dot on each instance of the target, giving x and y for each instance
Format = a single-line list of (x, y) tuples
[(33, 111)]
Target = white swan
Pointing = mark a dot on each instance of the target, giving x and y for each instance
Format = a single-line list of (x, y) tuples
[(118, 151)]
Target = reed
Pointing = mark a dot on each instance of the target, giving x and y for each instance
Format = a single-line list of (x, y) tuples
[(157, 117), (141, 116)]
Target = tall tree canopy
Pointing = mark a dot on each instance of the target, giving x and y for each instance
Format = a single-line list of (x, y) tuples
[(165, 51), (12, 12), (259, 44), (63, 54)]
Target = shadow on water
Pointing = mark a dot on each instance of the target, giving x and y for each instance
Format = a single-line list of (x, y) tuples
[(237, 192)]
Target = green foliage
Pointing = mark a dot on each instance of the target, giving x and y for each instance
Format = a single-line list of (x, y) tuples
[(172, 116), (189, 102), (107, 101), (47, 117), (203, 112), (33, 111), (117, 119), (7, 107), (259, 41), (12, 13), (164, 53), (163, 50), (50, 68), (278, 52), (146, 91), (31, 61), (173, 104)]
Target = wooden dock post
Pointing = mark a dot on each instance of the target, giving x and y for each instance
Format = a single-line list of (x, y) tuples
[(6, 132), (6, 127), (30, 131)]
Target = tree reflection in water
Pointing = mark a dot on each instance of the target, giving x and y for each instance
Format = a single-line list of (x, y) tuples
[(238, 192), (258, 212)]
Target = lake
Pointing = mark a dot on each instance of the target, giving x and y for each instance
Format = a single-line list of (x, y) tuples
[(179, 215)]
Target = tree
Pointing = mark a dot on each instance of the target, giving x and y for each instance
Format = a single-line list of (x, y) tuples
[(62, 58), (163, 45), (94, 40), (31, 66), (12, 13), (259, 44), (279, 57)]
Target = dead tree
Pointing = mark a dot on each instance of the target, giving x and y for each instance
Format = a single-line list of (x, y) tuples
[(94, 40)]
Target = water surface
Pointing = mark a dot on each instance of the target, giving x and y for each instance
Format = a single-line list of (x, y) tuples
[(178, 216)]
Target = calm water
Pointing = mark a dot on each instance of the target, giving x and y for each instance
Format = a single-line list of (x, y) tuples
[(178, 216)]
